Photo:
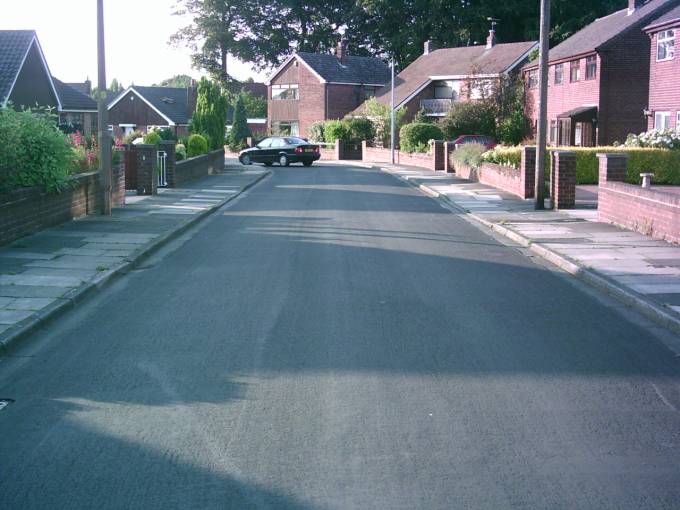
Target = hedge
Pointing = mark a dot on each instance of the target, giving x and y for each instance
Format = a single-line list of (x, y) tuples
[(663, 163), (197, 145), (414, 137)]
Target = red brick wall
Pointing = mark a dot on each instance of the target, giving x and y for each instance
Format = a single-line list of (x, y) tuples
[(650, 212), (502, 177), (29, 210), (200, 166), (664, 89), (376, 155)]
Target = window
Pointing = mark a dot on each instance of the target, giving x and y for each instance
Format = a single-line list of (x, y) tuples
[(677, 121), (591, 67), (278, 143), (443, 92), (533, 79), (286, 128), (369, 92), (665, 45), (559, 74), (265, 144), (553, 131), (578, 134), (662, 121), (574, 71), (285, 92)]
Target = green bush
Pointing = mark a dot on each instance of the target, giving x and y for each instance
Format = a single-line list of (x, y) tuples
[(415, 137), (335, 130), (380, 114), (180, 152), (152, 138), (359, 129), (131, 137), (506, 156), (469, 154), (239, 129), (316, 132), (33, 152), (470, 118), (167, 134), (197, 145)]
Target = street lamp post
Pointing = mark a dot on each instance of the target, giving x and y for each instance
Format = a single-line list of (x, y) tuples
[(392, 121), (543, 106), (103, 117)]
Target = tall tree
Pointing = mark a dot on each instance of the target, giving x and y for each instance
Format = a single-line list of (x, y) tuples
[(239, 129), (210, 117), (180, 81)]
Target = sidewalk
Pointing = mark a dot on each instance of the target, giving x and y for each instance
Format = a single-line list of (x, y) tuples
[(638, 270), (45, 273)]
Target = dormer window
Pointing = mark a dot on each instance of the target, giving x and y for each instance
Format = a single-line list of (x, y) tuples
[(665, 45), (168, 100)]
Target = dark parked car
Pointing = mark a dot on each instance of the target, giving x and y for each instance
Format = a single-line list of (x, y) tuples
[(487, 141), (283, 150)]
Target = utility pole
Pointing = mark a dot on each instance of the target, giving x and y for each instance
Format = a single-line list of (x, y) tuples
[(103, 115), (393, 127), (541, 136)]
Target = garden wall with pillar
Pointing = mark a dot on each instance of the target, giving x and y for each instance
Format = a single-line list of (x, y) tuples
[(433, 160), (200, 166), (646, 210)]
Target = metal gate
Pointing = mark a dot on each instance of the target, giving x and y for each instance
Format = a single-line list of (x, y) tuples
[(161, 157)]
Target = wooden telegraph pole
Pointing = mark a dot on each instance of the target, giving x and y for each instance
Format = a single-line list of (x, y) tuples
[(543, 105), (103, 116)]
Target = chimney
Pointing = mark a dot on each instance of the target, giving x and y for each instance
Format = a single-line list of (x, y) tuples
[(192, 93), (491, 40), (634, 5), (428, 47), (341, 52), (88, 86)]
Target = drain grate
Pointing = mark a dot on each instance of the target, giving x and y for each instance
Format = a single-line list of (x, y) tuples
[(4, 402)]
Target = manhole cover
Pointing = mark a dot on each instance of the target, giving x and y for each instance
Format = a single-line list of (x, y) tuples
[(4, 402)]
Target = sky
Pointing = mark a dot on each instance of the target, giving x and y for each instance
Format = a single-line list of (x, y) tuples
[(137, 33)]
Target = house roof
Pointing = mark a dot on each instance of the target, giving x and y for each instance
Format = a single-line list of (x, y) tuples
[(256, 89), (604, 31), (329, 69), (455, 63), (71, 99), (169, 102), (671, 17), (14, 48), (82, 87)]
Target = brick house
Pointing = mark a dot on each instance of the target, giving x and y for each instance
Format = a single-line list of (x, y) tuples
[(141, 108), (664, 73), (598, 79), (311, 87), (26, 81), (438, 79)]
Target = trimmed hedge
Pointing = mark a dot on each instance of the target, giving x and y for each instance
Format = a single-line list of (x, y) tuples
[(415, 137), (152, 138), (196, 146), (664, 163)]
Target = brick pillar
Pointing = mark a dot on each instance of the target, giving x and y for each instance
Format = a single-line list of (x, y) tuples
[(563, 181), (363, 150), (613, 167), (527, 174), (339, 149), (438, 155), (168, 146), (449, 147), (147, 171)]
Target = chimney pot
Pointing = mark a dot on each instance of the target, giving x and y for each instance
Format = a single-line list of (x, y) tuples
[(491, 40), (428, 47), (634, 5)]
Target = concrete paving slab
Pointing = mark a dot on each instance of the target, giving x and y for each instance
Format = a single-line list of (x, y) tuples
[(29, 304), (15, 291), (4, 301), (50, 271), (16, 254), (42, 281), (13, 316), (108, 247), (75, 262)]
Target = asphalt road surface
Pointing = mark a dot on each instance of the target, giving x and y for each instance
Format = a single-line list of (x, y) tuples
[(336, 340)]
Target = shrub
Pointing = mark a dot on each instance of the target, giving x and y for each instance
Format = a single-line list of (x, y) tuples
[(197, 145), (511, 129), (415, 137), (359, 128), (131, 137), (469, 154), (473, 118), (33, 152), (334, 130), (210, 116), (506, 156), (663, 139), (239, 129), (380, 114), (316, 132), (167, 134), (85, 156), (152, 138), (180, 152)]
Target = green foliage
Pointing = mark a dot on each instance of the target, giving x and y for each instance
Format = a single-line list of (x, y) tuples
[(470, 118), (256, 107), (359, 128), (152, 138), (196, 146), (506, 156), (239, 130), (180, 81), (335, 130), (469, 154), (380, 115), (131, 137), (316, 131), (33, 152), (180, 152), (422, 118), (210, 116), (167, 134), (415, 137)]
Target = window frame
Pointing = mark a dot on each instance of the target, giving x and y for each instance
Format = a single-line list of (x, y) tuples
[(662, 41), (591, 64), (677, 121), (532, 79), (575, 66), (287, 87), (561, 74), (662, 115)]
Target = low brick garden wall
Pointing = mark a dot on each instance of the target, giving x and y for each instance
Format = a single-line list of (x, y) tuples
[(200, 166), (432, 161), (502, 177), (465, 171), (29, 210)]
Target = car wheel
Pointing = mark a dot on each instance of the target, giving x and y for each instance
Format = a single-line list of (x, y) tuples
[(283, 160), (245, 159), (307, 163)]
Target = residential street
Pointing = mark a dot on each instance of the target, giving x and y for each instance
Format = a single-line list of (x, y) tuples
[(335, 339)]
